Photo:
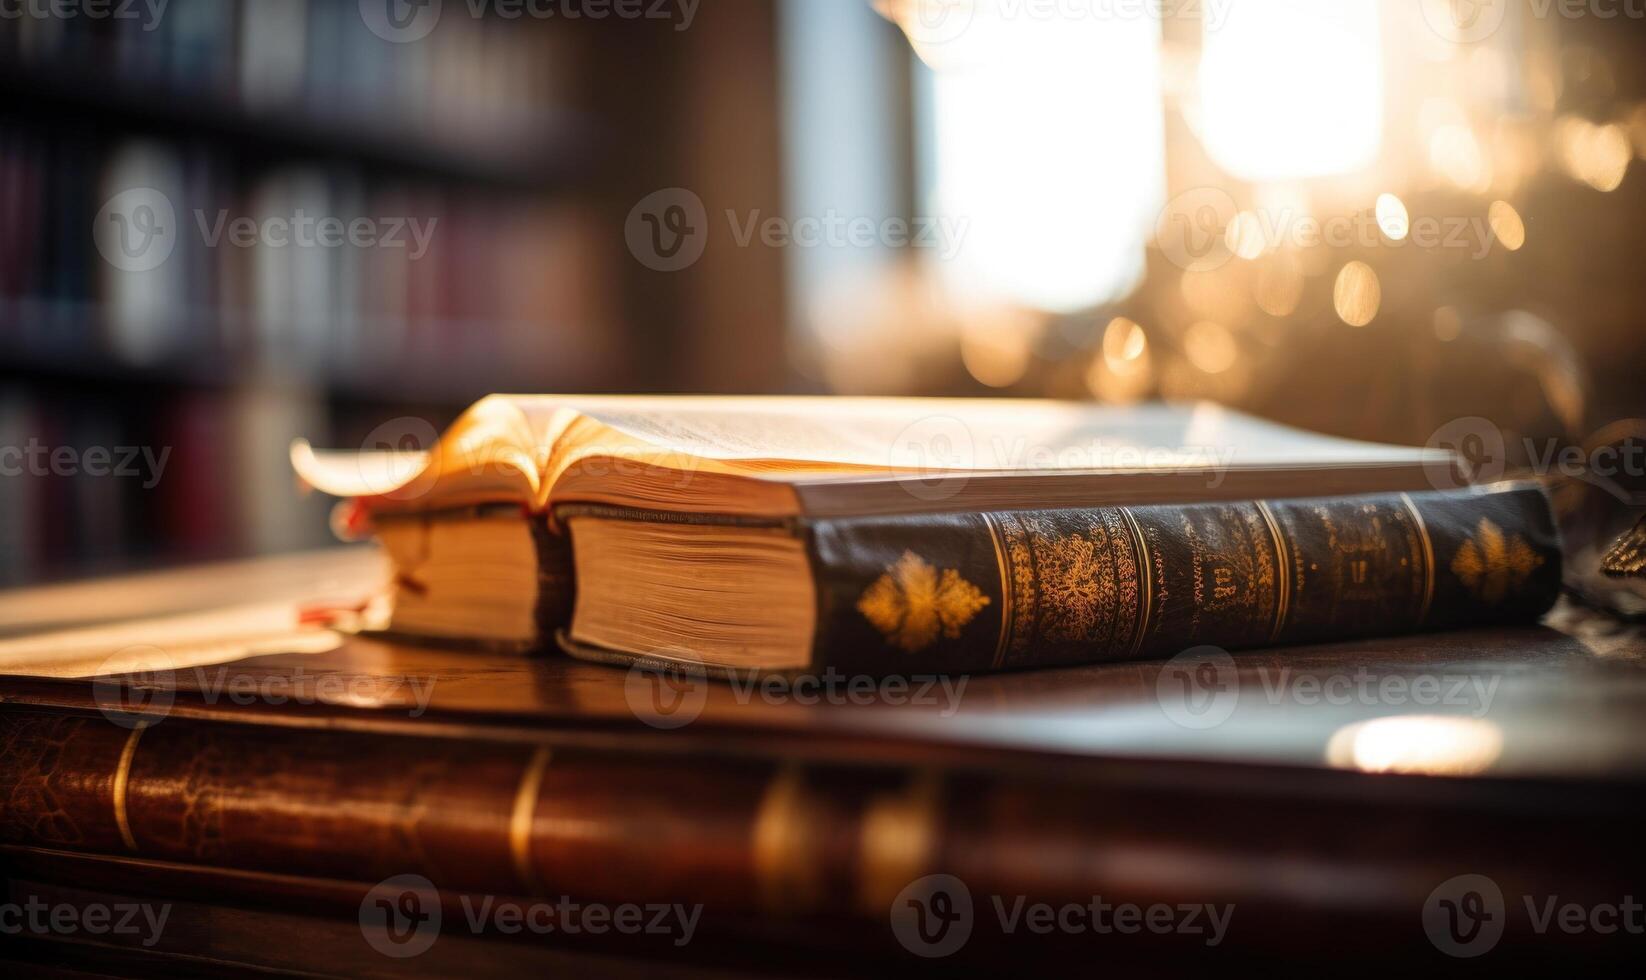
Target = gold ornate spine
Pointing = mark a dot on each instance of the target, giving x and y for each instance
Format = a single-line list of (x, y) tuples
[(1428, 548), (1145, 580), (1283, 571), (998, 538), (1110, 583)]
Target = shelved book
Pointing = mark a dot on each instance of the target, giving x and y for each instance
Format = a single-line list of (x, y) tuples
[(887, 536)]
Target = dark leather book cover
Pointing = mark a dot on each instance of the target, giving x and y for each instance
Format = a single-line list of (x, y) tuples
[(768, 842), (970, 592), (993, 591), (785, 817)]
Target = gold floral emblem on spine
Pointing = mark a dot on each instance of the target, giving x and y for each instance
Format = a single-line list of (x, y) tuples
[(1491, 565), (912, 603), (1076, 594)]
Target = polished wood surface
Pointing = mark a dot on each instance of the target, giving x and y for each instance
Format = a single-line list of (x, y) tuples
[(1568, 697), (1323, 790), (1570, 701)]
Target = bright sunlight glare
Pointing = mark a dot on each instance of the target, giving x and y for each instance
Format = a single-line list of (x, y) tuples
[(1292, 88), (1047, 140)]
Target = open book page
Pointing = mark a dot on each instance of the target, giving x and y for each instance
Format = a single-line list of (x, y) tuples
[(167, 622), (166, 644), (834, 456), (517, 448), (497, 450), (976, 435), (699, 452)]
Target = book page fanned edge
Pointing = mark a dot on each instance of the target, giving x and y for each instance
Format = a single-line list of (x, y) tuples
[(510, 448)]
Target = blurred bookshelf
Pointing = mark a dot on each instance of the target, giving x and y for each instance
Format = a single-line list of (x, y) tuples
[(481, 136)]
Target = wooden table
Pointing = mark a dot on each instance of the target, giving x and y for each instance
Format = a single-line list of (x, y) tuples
[(1336, 801)]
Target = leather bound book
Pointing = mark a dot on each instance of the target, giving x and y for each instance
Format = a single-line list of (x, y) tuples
[(276, 807), (796, 830), (889, 535), (1012, 589)]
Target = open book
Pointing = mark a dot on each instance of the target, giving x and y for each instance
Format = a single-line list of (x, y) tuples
[(692, 526), (787, 456)]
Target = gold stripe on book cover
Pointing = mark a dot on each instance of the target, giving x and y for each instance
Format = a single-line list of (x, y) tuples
[(997, 538), (1428, 558), (122, 780)]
